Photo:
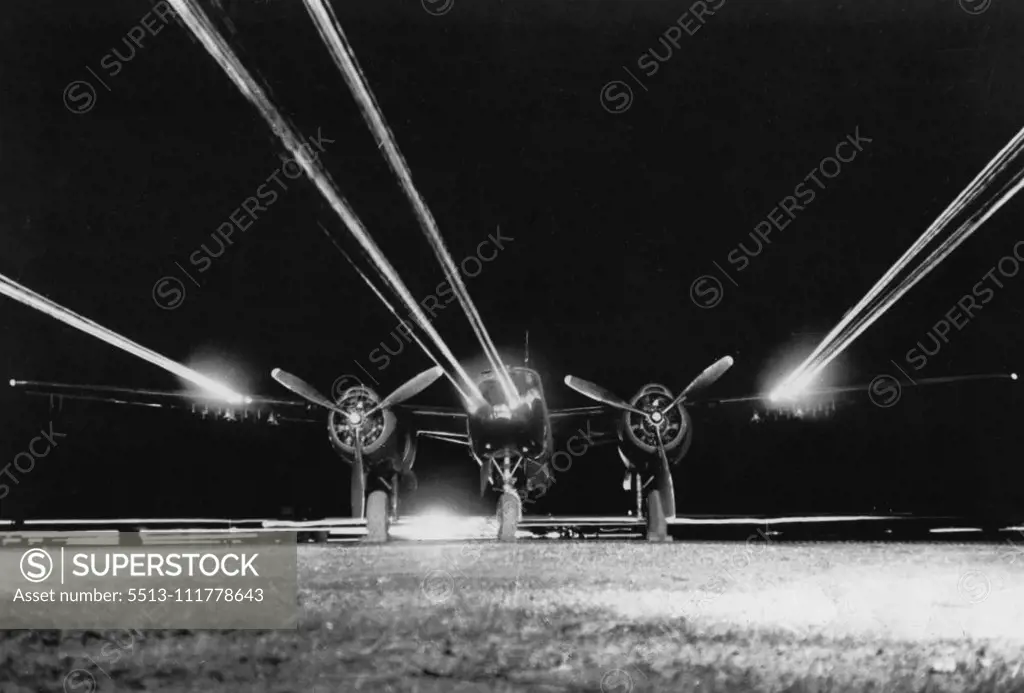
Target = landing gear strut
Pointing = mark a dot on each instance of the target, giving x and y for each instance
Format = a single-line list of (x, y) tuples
[(638, 491), (393, 515)]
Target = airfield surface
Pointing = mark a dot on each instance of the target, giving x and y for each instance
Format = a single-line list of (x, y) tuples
[(590, 616)]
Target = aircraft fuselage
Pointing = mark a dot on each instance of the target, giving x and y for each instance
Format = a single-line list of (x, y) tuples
[(521, 429)]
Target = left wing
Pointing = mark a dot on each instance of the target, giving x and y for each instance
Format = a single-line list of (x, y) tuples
[(271, 409), (438, 423), (447, 422)]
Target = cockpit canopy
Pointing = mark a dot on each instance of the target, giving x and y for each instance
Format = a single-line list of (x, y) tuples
[(526, 382), (519, 428)]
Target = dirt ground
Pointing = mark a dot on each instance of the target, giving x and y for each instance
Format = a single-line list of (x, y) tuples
[(588, 616)]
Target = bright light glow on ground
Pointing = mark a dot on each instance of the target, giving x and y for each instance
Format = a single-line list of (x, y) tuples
[(442, 524)]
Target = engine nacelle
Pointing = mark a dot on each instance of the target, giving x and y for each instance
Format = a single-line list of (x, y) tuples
[(638, 435), (376, 432)]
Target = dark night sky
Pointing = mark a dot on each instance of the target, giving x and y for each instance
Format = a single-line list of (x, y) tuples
[(496, 107)]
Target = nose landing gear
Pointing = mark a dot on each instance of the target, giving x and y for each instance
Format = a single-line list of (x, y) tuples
[(510, 504)]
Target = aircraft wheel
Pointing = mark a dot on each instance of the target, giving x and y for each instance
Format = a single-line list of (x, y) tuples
[(657, 528), (510, 511), (377, 517)]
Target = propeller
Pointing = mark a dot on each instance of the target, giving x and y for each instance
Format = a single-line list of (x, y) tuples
[(705, 380), (304, 389), (408, 390), (358, 485), (666, 487), (598, 393), (657, 418)]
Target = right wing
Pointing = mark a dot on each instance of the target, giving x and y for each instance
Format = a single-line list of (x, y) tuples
[(869, 388)]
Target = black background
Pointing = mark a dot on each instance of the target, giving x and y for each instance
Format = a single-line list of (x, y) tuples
[(496, 106)]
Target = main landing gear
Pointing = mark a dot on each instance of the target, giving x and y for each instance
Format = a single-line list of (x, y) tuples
[(381, 510), (377, 517), (657, 527), (650, 507)]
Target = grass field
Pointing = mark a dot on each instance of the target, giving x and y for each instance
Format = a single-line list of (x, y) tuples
[(588, 616)]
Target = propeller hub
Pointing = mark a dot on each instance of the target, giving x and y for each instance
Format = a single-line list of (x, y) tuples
[(660, 424), (357, 419)]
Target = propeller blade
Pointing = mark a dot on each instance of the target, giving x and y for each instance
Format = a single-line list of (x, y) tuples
[(705, 380), (303, 389), (358, 481), (410, 389), (666, 488), (599, 394)]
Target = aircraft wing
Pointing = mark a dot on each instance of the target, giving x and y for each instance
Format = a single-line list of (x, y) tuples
[(449, 424), (581, 412), (435, 413), (448, 421), (877, 386), (446, 424), (597, 424), (281, 409)]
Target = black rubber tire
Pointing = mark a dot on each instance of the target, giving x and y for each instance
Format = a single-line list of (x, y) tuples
[(510, 511), (377, 517), (657, 528)]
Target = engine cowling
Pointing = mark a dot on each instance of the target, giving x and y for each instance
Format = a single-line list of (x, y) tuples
[(376, 432), (638, 433)]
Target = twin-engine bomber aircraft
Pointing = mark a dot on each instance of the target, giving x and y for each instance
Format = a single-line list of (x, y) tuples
[(511, 445)]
